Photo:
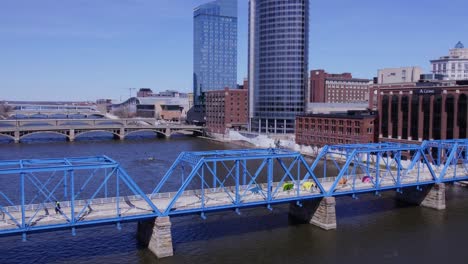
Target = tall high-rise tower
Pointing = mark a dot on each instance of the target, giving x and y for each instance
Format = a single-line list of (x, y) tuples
[(215, 47), (278, 62)]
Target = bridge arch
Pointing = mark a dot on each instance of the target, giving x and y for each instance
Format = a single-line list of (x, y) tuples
[(179, 131), (28, 134), (90, 116), (7, 136), (79, 134), (155, 131)]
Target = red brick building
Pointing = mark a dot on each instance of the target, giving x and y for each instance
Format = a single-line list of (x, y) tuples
[(352, 127), (424, 111), (225, 109), (337, 88)]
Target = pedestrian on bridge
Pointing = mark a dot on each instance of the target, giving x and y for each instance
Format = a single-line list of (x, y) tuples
[(57, 207)]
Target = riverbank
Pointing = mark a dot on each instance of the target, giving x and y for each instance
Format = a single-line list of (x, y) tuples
[(253, 140), (234, 142)]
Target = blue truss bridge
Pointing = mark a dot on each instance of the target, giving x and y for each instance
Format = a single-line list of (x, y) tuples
[(97, 190)]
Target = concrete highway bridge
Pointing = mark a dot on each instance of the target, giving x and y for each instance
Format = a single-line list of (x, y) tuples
[(73, 128), (97, 190)]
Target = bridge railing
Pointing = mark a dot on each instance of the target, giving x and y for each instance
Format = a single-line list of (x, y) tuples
[(30, 190), (97, 190)]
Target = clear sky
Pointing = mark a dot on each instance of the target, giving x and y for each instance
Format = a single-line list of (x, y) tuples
[(89, 49)]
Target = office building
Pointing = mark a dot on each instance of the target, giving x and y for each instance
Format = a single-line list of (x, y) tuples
[(278, 62), (454, 66), (215, 47)]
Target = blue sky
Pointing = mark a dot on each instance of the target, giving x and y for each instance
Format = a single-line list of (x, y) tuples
[(89, 49)]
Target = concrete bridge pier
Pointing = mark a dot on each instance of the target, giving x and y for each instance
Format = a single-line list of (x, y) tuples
[(168, 132), (319, 212), (71, 135), (156, 235), (432, 196), (17, 137), (122, 133)]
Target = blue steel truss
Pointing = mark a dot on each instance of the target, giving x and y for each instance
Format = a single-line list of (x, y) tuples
[(96, 190)]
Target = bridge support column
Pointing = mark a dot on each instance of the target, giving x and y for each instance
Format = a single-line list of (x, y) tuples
[(17, 137), (320, 212), (168, 132), (431, 196), (71, 135), (157, 236), (122, 133)]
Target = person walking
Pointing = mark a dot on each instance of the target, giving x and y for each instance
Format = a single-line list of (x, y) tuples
[(57, 207)]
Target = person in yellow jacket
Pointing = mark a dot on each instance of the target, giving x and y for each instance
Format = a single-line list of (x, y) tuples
[(57, 207), (307, 186)]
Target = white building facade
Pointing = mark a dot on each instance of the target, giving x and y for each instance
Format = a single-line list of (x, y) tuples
[(454, 66), (399, 75)]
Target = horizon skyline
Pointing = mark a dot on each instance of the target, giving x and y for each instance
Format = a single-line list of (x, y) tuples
[(107, 54)]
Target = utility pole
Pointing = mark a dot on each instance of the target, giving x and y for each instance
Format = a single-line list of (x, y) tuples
[(130, 90)]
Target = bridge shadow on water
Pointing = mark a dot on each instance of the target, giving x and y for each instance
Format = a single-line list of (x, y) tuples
[(360, 222), (89, 246), (261, 219)]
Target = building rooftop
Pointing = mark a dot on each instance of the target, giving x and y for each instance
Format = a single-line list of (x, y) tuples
[(459, 45)]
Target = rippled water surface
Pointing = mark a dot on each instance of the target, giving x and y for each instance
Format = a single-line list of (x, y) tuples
[(370, 229)]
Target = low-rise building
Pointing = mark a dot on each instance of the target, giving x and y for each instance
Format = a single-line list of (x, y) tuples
[(226, 109), (399, 75), (352, 127), (169, 106), (422, 111)]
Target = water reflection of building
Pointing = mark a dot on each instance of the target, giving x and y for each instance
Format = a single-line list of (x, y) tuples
[(417, 112)]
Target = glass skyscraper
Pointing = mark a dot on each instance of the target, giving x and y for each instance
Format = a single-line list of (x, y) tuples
[(215, 47), (278, 62)]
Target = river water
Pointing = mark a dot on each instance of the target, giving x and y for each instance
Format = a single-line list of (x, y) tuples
[(370, 229)]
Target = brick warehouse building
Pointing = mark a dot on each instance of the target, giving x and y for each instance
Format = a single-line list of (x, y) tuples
[(337, 88), (427, 111), (225, 109), (351, 127)]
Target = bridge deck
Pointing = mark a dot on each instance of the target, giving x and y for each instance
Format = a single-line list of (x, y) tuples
[(192, 200)]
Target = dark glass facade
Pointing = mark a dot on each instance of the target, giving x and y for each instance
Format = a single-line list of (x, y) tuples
[(215, 47), (278, 63)]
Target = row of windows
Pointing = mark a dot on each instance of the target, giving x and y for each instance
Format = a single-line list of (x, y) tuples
[(267, 43), (267, 25), (282, 82), (311, 140), (282, 36), (333, 130), (281, 31), (281, 76), (328, 121)]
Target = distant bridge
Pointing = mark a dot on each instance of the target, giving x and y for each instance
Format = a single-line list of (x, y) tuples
[(97, 190), (52, 111), (73, 128)]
